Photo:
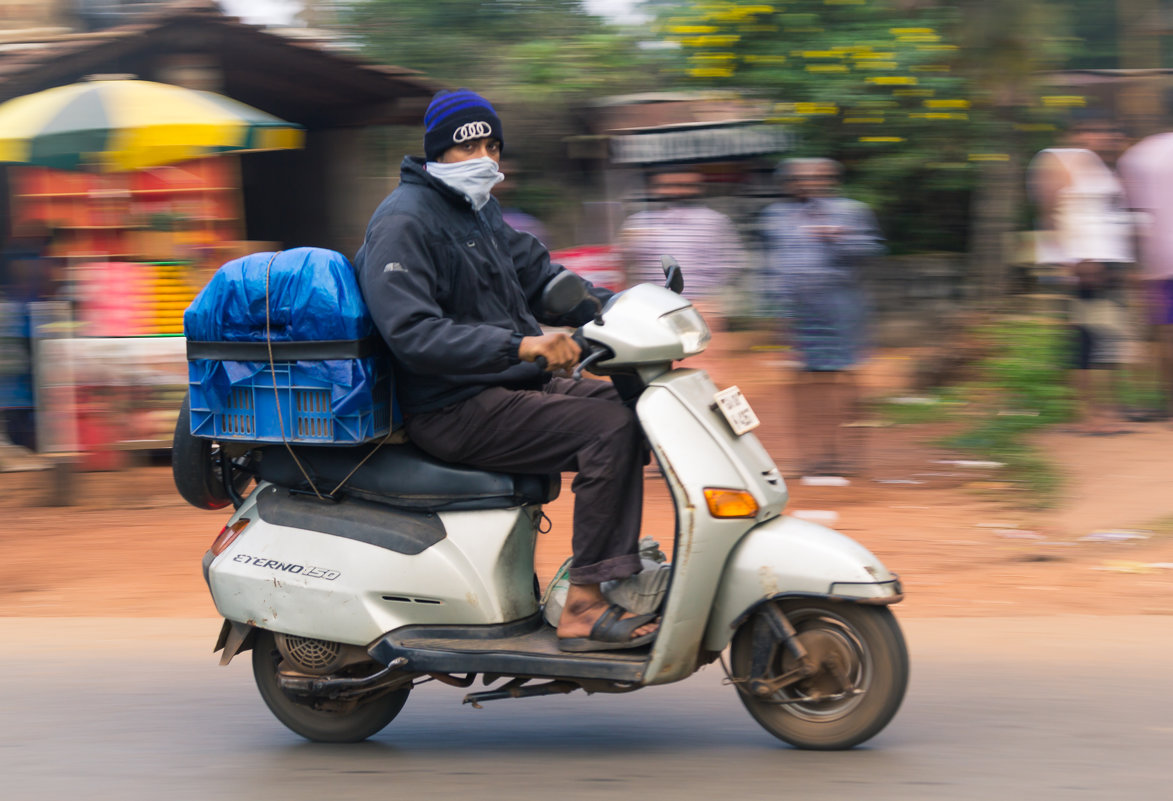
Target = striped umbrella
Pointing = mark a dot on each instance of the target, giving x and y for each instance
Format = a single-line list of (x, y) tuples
[(122, 125)]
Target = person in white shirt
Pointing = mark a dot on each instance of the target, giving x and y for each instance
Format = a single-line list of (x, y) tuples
[(1086, 229)]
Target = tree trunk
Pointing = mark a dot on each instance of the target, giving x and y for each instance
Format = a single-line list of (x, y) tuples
[(994, 223)]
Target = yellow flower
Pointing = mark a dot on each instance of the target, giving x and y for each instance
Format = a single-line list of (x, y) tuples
[(717, 40), (939, 115), (711, 72), (816, 108), (1064, 101)]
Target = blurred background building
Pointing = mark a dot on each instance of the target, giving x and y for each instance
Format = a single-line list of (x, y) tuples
[(129, 250), (933, 108)]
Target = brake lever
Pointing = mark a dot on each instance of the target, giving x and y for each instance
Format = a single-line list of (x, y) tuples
[(597, 356), (583, 347)]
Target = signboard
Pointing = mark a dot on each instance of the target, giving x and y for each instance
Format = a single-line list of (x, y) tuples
[(716, 142)]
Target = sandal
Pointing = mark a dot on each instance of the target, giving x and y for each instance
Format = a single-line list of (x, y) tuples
[(611, 632)]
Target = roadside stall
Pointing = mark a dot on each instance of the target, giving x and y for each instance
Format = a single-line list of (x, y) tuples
[(133, 187)]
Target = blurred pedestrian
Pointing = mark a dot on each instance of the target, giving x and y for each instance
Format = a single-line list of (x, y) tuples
[(703, 241), (25, 278), (1147, 171), (816, 245), (1087, 232)]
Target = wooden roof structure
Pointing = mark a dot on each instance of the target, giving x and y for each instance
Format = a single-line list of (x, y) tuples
[(303, 81)]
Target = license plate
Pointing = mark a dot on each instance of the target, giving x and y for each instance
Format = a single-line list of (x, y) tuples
[(737, 411)]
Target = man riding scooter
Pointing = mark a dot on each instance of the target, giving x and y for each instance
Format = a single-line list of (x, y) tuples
[(456, 293)]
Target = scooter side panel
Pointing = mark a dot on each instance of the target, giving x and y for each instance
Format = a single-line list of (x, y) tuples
[(695, 451), (506, 554), (788, 555), (333, 588)]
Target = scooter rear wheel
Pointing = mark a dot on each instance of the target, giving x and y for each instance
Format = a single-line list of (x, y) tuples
[(325, 722), (857, 645)]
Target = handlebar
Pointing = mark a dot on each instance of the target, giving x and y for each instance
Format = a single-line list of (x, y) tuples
[(589, 356)]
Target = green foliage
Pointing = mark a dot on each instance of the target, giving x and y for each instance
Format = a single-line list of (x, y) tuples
[(515, 46), (538, 61), (934, 409), (1022, 388), (914, 98), (1029, 373)]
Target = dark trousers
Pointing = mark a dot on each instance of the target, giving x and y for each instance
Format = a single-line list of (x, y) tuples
[(578, 426)]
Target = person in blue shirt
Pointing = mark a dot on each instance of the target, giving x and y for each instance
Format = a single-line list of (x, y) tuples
[(816, 244)]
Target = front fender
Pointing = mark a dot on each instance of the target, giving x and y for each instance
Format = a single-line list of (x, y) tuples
[(788, 556)]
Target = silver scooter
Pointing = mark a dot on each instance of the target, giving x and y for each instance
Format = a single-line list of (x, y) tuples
[(420, 570)]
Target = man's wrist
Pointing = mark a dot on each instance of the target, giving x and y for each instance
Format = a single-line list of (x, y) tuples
[(515, 346)]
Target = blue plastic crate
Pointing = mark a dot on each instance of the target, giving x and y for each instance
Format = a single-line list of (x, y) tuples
[(313, 408)]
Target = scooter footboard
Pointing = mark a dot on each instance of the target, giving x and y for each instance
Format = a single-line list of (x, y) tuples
[(788, 556)]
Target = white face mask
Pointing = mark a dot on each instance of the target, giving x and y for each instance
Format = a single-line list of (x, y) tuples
[(474, 178)]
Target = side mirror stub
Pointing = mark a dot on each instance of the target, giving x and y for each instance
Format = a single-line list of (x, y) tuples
[(673, 275), (563, 293)]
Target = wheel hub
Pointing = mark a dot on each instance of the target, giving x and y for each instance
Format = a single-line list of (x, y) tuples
[(830, 656)]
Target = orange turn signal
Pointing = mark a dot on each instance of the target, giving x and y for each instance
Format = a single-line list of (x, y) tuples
[(730, 503), (227, 535)]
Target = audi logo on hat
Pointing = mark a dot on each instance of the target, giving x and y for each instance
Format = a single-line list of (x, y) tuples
[(472, 130)]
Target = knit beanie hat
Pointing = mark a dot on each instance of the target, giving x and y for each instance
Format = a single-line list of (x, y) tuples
[(455, 117)]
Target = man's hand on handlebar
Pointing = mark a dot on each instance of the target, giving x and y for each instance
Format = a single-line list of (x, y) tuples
[(558, 350)]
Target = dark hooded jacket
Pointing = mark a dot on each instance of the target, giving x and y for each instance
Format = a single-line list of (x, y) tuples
[(453, 292)]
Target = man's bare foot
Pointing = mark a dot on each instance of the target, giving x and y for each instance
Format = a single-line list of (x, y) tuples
[(585, 604)]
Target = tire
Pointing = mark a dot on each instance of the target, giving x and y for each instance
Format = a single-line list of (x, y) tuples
[(195, 466), (321, 725), (866, 640)]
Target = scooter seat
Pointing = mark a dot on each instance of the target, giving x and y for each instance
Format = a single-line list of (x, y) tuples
[(403, 476)]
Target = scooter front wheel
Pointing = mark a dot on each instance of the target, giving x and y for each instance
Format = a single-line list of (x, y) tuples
[(861, 673), (321, 721)]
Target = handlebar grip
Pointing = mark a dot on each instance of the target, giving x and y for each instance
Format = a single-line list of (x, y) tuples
[(542, 364)]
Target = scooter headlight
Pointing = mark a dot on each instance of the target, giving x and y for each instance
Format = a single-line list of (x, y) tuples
[(690, 327)]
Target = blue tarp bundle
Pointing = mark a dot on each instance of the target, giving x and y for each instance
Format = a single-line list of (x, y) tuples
[(313, 296)]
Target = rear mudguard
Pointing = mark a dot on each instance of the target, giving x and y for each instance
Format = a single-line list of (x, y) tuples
[(791, 557)]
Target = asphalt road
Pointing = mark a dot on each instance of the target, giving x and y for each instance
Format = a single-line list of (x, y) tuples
[(998, 709)]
